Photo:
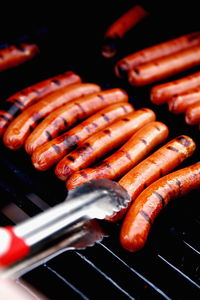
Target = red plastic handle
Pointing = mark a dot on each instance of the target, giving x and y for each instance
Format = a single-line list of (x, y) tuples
[(12, 247)]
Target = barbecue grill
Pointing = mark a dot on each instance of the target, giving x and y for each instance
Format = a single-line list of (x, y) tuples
[(168, 266)]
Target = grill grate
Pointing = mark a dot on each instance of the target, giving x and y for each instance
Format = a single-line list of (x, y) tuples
[(168, 267)]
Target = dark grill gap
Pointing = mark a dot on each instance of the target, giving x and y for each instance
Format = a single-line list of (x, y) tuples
[(168, 267)]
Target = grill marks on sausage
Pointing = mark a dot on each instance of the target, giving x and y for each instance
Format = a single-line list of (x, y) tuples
[(101, 97), (5, 118), (64, 122), (172, 149), (80, 107), (144, 141), (48, 134), (145, 216), (160, 198), (57, 82), (128, 156), (184, 141), (56, 148), (106, 118)]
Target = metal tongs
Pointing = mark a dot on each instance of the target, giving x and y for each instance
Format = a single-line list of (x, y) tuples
[(69, 225)]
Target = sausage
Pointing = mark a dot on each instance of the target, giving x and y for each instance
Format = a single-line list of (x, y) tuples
[(157, 51), (141, 215), (24, 98), (50, 153), (67, 115), (164, 67), (192, 114), (161, 93), (102, 142), (119, 28), (120, 162), (20, 128), (178, 104), (15, 55), (155, 166)]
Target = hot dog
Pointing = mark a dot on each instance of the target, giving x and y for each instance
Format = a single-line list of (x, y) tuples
[(102, 142), (179, 103), (161, 93), (19, 129), (164, 67), (116, 165), (24, 98), (15, 55), (192, 114), (50, 153), (151, 201), (120, 27), (155, 166), (67, 115), (157, 51)]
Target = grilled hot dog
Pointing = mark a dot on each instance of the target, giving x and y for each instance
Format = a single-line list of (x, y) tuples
[(161, 93), (50, 153), (155, 166), (13, 56), (120, 27), (19, 129), (164, 67), (157, 51), (102, 142), (178, 104), (192, 115), (24, 98), (116, 165), (67, 115), (152, 200)]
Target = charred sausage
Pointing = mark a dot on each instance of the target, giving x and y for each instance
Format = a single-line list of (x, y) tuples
[(15, 55), (142, 213), (161, 93), (67, 115), (178, 104), (50, 153), (157, 51), (164, 67), (26, 97), (20, 128), (102, 142), (155, 166), (116, 165), (192, 115), (119, 28)]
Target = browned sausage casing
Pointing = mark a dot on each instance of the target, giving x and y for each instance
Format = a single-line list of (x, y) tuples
[(50, 153), (155, 166), (13, 56), (161, 93), (120, 27), (152, 200), (164, 67), (192, 115), (26, 97), (102, 142), (178, 104), (68, 114), (20, 128), (116, 165), (157, 51)]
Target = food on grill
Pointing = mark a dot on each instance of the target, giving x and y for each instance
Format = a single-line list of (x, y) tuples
[(67, 115), (51, 152), (155, 52), (120, 27), (161, 162), (141, 215), (192, 115), (120, 162), (179, 103), (20, 128), (161, 93), (24, 98), (15, 55), (164, 67), (102, 142)]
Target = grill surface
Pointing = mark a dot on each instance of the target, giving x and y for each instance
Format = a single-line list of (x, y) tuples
[(168, 267)]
